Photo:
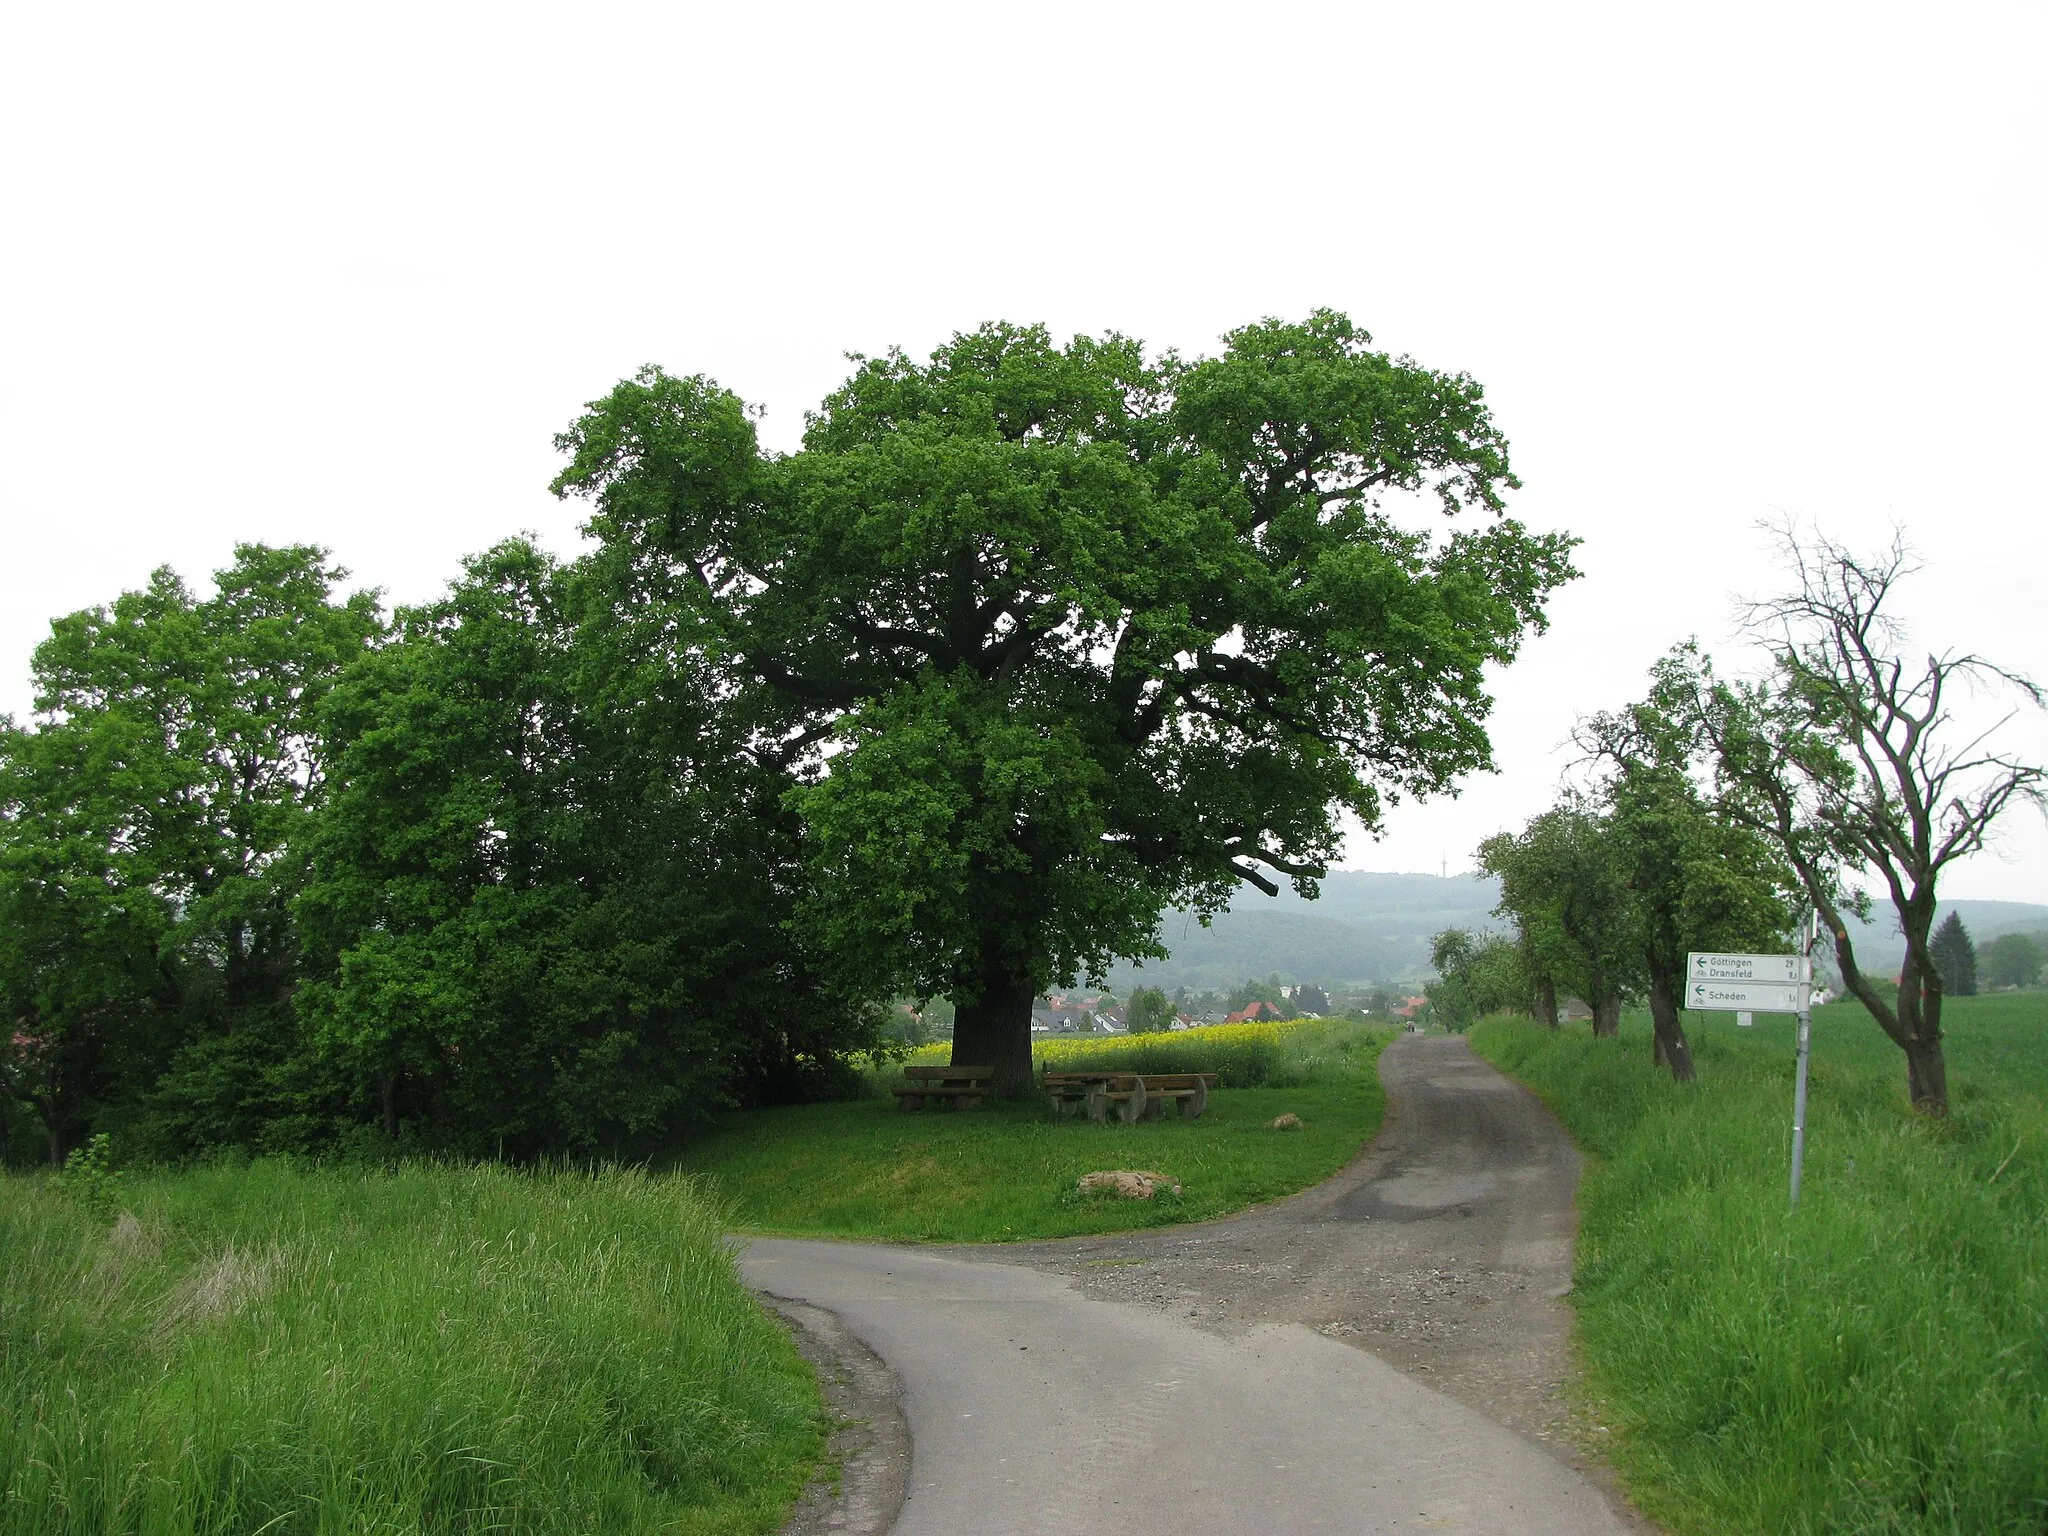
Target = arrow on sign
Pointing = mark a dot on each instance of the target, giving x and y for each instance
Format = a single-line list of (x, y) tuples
[(1739, 996), (1780, 968)]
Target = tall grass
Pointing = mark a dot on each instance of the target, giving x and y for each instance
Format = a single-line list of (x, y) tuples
[(277, 1350), (1876, 1360)]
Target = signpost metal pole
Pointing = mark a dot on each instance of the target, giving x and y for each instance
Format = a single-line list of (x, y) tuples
[(1805, 1041)]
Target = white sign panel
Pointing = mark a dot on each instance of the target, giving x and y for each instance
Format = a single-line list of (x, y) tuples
[(1745, 996), (1700, 967)]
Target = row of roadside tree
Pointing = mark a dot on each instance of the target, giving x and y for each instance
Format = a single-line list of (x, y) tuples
[(1716, 813)]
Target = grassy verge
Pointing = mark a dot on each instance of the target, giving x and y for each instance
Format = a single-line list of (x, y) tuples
[(1006, 1171), (432, 1350), (1877, 1361)]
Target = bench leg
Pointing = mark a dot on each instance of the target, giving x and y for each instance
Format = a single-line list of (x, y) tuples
[(1098, 1107), (909, 1101), (1155, 1109), (1191, 1108), (1140, 1102), (970, 1101)]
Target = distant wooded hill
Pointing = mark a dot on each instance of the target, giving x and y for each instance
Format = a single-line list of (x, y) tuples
[(1879, 946), (1370, 927), (1366, 927)]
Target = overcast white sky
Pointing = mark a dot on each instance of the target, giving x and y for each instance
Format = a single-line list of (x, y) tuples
[(339, 273)]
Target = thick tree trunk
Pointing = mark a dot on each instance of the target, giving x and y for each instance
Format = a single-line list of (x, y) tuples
[(387, 1084), (1927, 1076), (994, 1030), (1913, 1017), (1607, 1017), (1546, 1002), (56, 1126), (1900, 1018), (1606, 1006), (1674, 1050)]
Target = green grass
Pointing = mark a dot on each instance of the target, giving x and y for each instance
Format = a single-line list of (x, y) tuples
[(1876, 1361), (1006, 1172), (277, 1350)]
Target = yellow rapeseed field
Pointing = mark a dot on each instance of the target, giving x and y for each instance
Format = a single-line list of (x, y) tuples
[(1051, 1052)]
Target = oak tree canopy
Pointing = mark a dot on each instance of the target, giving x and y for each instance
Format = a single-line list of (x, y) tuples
[(1051, 637)]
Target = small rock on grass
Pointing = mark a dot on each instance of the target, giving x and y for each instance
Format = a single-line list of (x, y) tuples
[(1127, 1183), (1287, 1123)]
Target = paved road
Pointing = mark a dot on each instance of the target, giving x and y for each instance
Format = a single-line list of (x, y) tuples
[(1443, 1248), (1207, 1378)]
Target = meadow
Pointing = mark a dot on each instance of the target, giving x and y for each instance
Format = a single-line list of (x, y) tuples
[(1006, 1172), (432, 1349), (1876, 1360)]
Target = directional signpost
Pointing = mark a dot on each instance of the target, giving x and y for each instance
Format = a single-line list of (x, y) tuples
[(1745, 996), (1764, 970), (1746, 984)]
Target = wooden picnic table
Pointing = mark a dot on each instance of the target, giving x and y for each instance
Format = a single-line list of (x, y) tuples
[(933, 1087), (1134, 1094)]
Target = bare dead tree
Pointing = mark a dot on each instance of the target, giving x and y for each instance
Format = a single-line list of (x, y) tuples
[(1851, 759)]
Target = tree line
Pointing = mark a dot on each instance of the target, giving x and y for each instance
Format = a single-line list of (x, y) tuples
[(1716, 811), (1151, 1011), (499, 868), (1025, 643)]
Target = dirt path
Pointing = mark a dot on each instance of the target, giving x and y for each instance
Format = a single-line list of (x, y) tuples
[(1444, 1249)]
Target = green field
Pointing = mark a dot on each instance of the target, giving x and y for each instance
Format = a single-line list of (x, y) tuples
[(1007, 1171), (1877, 1361), (436, 1349)]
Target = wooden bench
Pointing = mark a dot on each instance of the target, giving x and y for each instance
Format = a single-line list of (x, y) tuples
[(1134, 1094), (931, 1087)]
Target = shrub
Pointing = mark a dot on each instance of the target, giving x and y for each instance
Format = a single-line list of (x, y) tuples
[(89, 1180)]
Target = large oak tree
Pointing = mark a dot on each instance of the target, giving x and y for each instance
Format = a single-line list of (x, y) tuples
[(1053, 637)]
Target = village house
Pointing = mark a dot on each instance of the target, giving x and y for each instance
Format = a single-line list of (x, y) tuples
[(1261, 1012)]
